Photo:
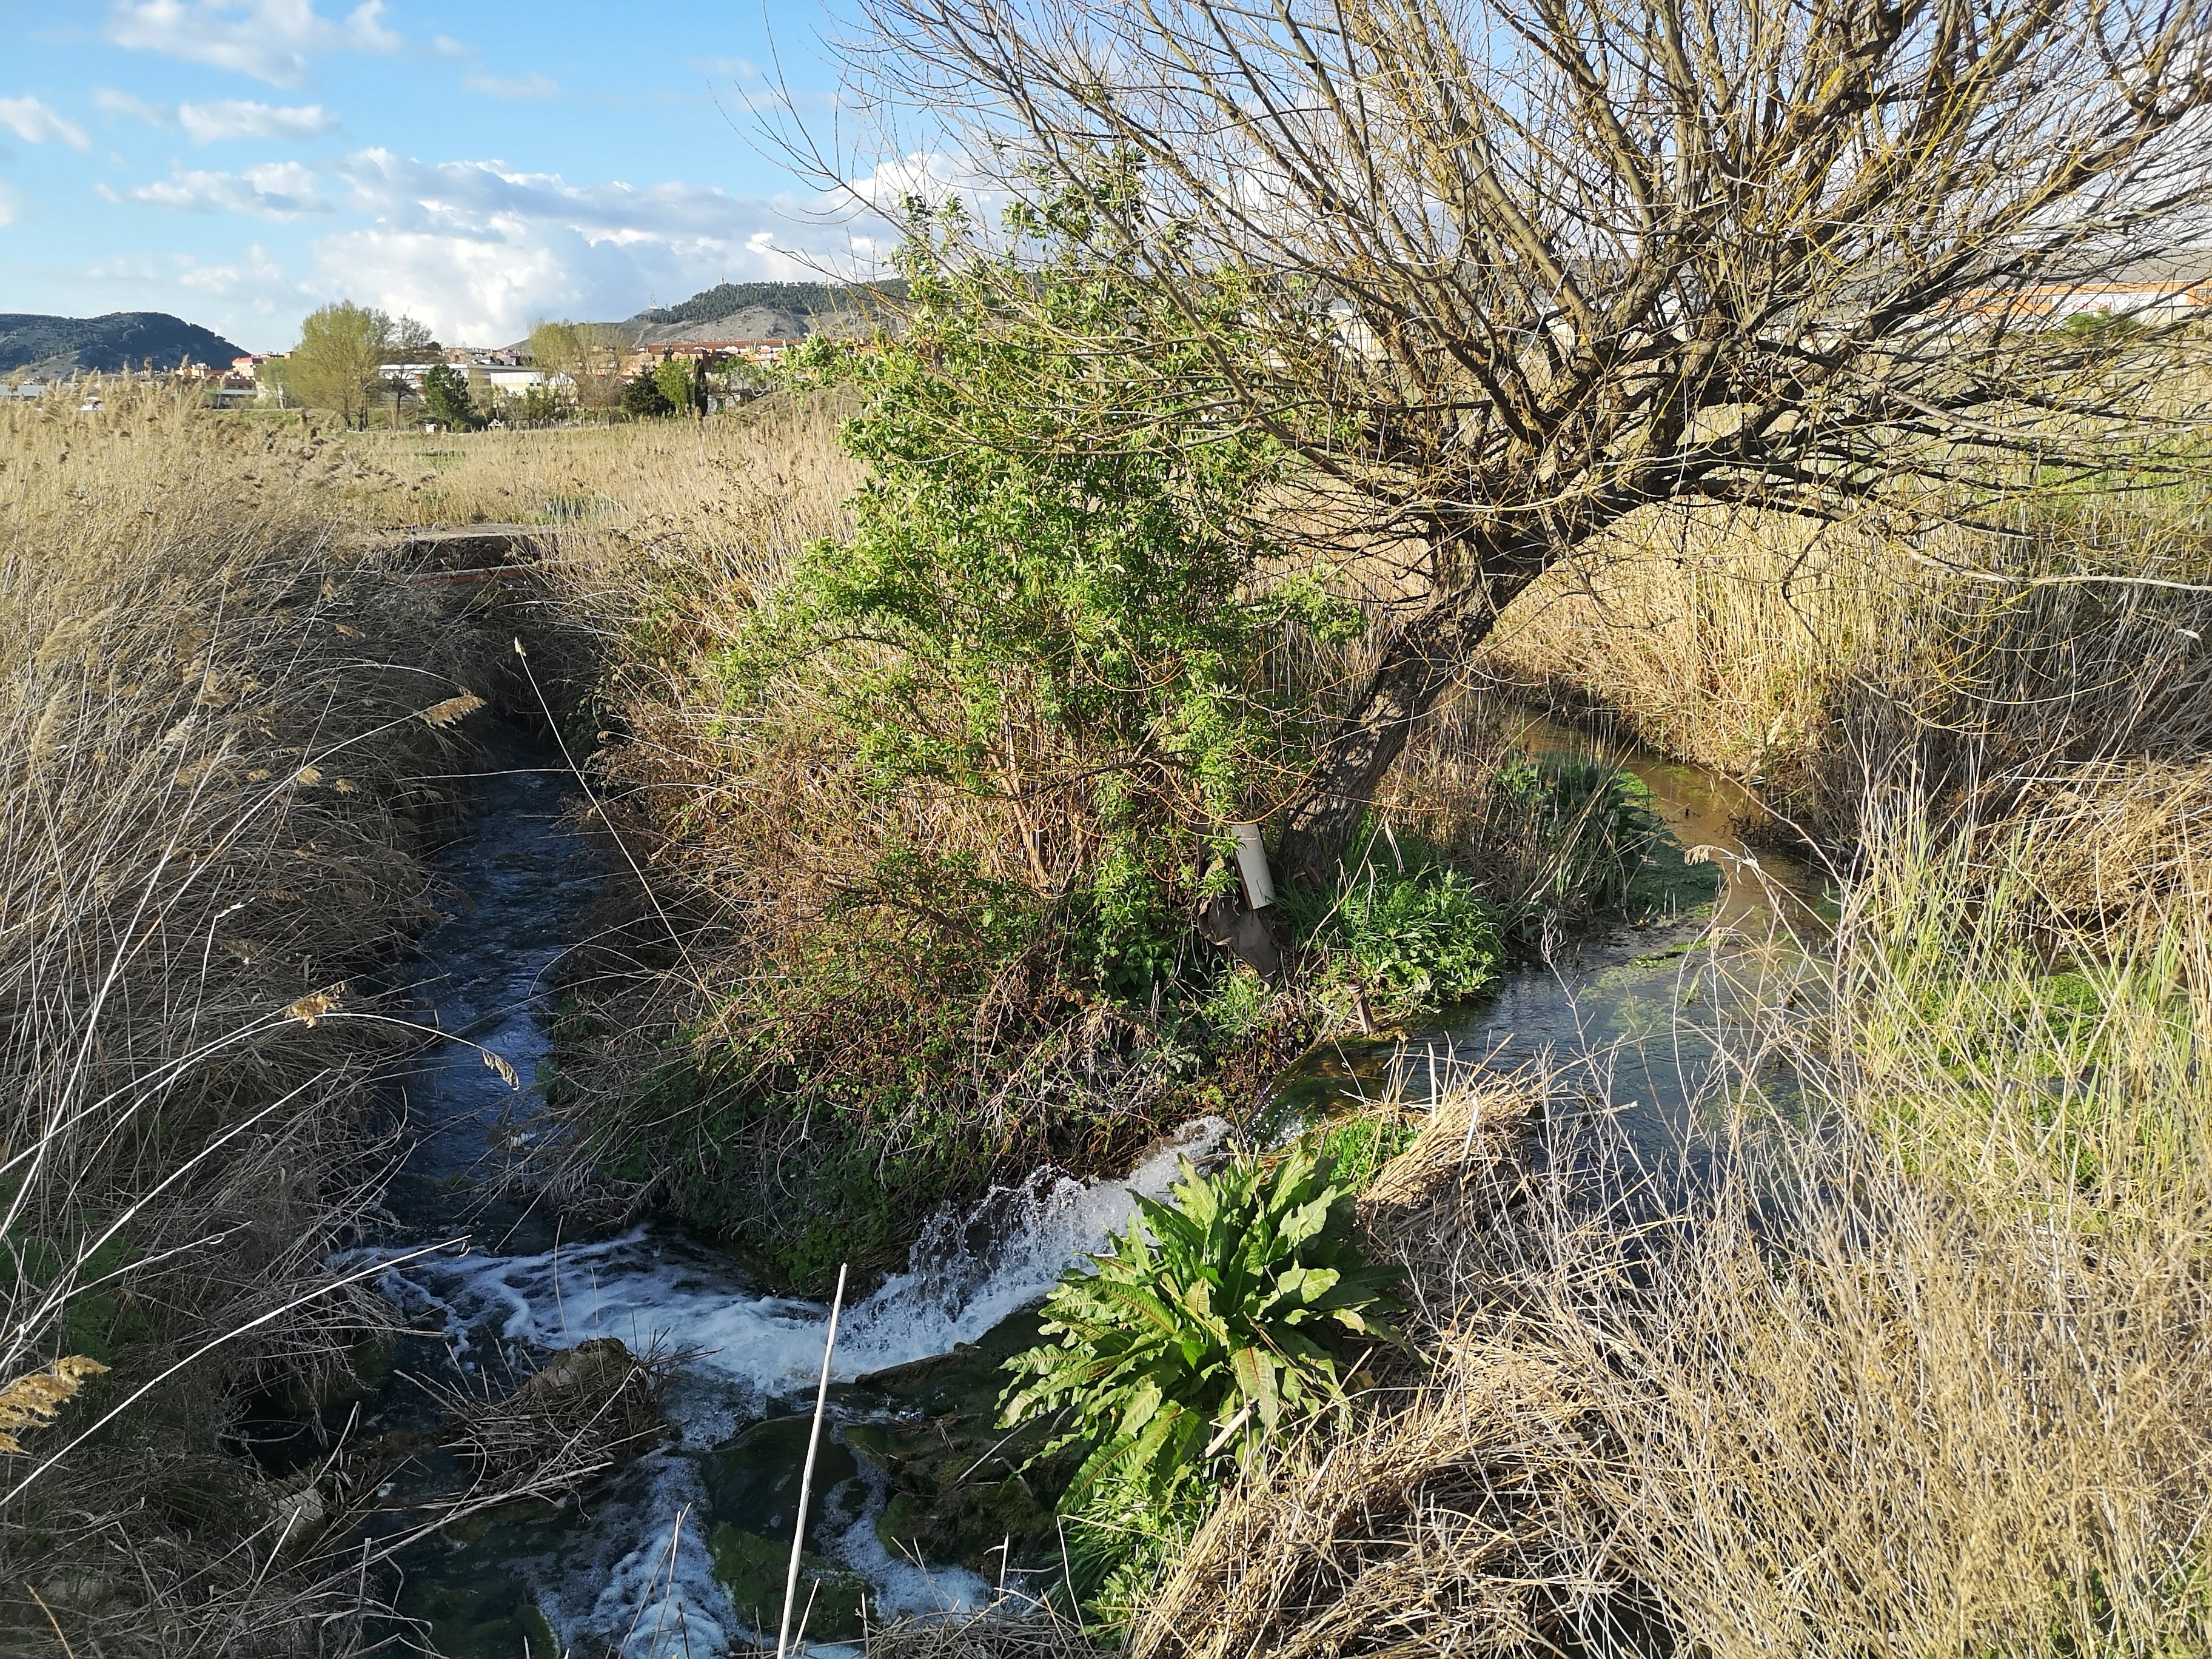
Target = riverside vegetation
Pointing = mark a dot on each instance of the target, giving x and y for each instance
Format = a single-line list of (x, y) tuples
[(230, 721), (915, 706)]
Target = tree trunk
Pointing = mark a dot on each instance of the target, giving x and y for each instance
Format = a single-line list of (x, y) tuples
[(1424, 659)]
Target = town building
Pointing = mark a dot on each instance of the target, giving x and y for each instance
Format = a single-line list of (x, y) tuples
[(2167, 288), (707, 352)]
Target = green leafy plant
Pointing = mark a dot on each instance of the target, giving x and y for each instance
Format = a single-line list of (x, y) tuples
[(678, 381), (445, 396), (1358, 1146), (1239, 1315), (1051, 602), (1410, 939)]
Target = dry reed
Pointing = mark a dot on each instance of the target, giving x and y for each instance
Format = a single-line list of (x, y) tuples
[(1912, 1355), (213, 787)]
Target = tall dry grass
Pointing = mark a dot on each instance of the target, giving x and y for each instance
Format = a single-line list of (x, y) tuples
[(222, 731), (1800, 656), (1913, 1356)]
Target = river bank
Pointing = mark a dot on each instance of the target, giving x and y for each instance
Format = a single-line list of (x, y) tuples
[(663, 1557), (1793, 1227)]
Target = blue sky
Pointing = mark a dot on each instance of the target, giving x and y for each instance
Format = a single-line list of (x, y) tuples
[(238, 163)]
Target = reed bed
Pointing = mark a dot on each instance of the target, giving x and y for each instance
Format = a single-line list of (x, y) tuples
[(222, 736), (1822, 662)]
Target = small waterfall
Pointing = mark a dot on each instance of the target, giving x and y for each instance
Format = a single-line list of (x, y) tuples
[(643, 1581)]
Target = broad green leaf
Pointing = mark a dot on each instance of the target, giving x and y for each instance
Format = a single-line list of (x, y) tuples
[(1256, 1375)]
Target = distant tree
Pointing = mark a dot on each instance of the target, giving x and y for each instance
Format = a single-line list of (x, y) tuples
[(410, 342), (541, 406), (679, 383), (276, 375), (335, 365), (589, 354), (557, 348), (445, 396), (642, 397)]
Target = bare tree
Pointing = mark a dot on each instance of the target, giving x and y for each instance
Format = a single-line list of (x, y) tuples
[(1514, 270)]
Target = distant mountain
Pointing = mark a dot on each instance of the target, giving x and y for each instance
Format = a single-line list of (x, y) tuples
[(794, 299), (122, 339), (762, 311)]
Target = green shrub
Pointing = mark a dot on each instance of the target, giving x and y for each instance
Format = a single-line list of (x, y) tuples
[(642, 397), (1411, 939), (678, 381), (1596, 821), (1235, 1320), (446, 399)]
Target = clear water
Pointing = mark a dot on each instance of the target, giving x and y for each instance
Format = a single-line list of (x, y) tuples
[(631, 1574)]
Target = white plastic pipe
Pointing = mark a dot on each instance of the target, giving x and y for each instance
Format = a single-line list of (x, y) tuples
[(806, 1475), (1252, 865)]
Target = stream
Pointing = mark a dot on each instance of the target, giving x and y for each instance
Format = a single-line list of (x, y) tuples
[(634, 1571)]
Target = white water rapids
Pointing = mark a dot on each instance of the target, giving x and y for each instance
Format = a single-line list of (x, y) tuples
[(645, 1584)]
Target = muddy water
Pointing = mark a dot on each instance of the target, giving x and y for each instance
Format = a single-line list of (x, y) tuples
[(634, 1572)]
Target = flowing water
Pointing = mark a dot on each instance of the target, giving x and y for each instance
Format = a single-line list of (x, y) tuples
[(633, 1572)]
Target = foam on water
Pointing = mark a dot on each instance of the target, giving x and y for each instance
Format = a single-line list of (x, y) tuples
[(649, 1576), (659, 1598), (648, 1286)]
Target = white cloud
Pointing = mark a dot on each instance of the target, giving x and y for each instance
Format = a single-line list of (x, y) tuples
[(13, 203), (36, 123), (236, 118), (224, 118), (533, 85), (122, 103), (270, 40), (275, 189), (253, 300), (478, 249), (258, 283)]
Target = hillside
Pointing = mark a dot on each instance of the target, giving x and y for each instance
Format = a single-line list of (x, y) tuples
[(755, 310), (121, 339)]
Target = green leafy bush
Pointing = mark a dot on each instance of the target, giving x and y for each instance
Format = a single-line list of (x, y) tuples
[(446, 399), (1411, 939), (678, 381), (643, 397), (1237, 1317)]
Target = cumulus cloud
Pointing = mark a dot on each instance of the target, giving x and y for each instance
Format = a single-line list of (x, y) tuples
[(478, 249), (272, 40), (258, 281), (533, 85), (37, 122), (275, 189), (252, 299)]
